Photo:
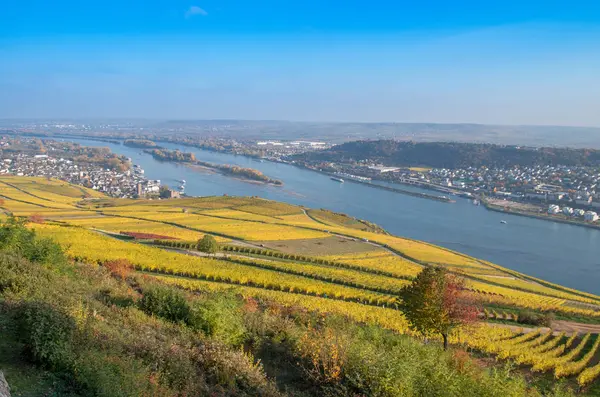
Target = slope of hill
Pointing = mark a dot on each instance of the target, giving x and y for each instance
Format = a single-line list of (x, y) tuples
[(325, 280), (451, 154), (582, 137)]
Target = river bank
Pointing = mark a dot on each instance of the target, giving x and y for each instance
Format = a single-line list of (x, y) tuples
[(545, 217), (393, 189)]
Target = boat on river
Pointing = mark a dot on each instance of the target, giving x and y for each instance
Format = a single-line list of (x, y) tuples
[(340, 180)]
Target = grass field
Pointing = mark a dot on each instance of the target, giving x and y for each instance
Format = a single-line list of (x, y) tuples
[(326, 263)]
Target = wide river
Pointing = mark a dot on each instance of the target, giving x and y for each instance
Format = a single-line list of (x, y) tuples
[(557, 252)]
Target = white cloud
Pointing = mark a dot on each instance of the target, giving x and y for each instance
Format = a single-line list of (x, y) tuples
[(195, 10)]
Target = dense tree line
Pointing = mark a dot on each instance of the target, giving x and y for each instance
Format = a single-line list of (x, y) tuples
[(246, 173), (452, 154), (140, 143), (172, 155)]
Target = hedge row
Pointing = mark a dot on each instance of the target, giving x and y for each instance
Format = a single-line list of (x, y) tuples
[(270, 286), (309, 259), (176, 244)]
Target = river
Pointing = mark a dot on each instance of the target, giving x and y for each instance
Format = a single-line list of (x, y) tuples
[(557, 252)]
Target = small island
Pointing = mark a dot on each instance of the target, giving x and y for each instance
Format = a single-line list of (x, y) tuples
[(226, 169), (140, 143), (172, 155)]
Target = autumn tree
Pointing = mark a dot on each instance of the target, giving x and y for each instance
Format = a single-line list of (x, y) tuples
[(435, 303), (119, 268), (36, 218), (208, 244)]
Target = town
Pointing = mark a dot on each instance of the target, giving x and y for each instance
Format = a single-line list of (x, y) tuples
[(122, 181), (558, 191)]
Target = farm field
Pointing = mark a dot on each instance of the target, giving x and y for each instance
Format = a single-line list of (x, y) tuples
[(303, 258)]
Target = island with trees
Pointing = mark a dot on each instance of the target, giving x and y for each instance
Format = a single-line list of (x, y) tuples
[(172, 155), (226, 169), (140, 143)]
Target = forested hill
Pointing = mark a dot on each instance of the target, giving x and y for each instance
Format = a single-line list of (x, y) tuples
[(451, 154)]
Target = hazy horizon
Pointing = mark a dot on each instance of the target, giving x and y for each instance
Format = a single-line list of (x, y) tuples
[(206, 120), (500, 63)]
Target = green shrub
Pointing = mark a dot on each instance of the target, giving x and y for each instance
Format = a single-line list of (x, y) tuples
[(17, 275), (378, 363), (532, 318), (234, 370), (110, 297), (15, 238), (101, 374), (219, 316), (208, 244), (165, 302), (47, 334)]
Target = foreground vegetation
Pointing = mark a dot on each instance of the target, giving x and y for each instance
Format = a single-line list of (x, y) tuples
[(314, 297), (77, 329)]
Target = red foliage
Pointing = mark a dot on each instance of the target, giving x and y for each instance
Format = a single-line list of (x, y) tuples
[(119, 268), (36, 218), (462, 361), (459, 305), (250, 305)]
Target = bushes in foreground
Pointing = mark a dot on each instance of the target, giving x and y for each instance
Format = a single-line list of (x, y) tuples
[(71, 324), (348, 360), (532, 318), (216, 315), (64, 320), (47, 333), (167, 303), (16, 239), (219, 316)]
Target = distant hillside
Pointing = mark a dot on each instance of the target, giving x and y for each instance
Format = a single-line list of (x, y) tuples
[(531, 135), (451, 154)]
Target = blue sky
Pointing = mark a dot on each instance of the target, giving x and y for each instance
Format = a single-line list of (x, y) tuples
[(499, 62)]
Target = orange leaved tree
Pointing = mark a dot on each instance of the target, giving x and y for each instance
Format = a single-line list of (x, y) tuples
[(435, 303)]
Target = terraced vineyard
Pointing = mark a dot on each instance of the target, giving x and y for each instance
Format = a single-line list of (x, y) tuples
[(305, 259)]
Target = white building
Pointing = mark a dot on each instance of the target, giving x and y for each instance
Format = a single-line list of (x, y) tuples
[(383, 169), (272, 143), (567, 210), (590, 216), (553, 209)]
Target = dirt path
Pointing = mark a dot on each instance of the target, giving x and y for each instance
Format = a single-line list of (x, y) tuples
[(558, 326), (571, 326)]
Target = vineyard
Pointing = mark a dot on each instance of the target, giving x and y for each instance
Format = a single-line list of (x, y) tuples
[(357, 273)]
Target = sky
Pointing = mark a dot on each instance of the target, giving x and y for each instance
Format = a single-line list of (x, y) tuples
[(439, 61)]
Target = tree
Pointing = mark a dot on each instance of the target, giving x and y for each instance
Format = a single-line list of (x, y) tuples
[(208, 244), (36, 218), (435, 303), (164, 191)]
